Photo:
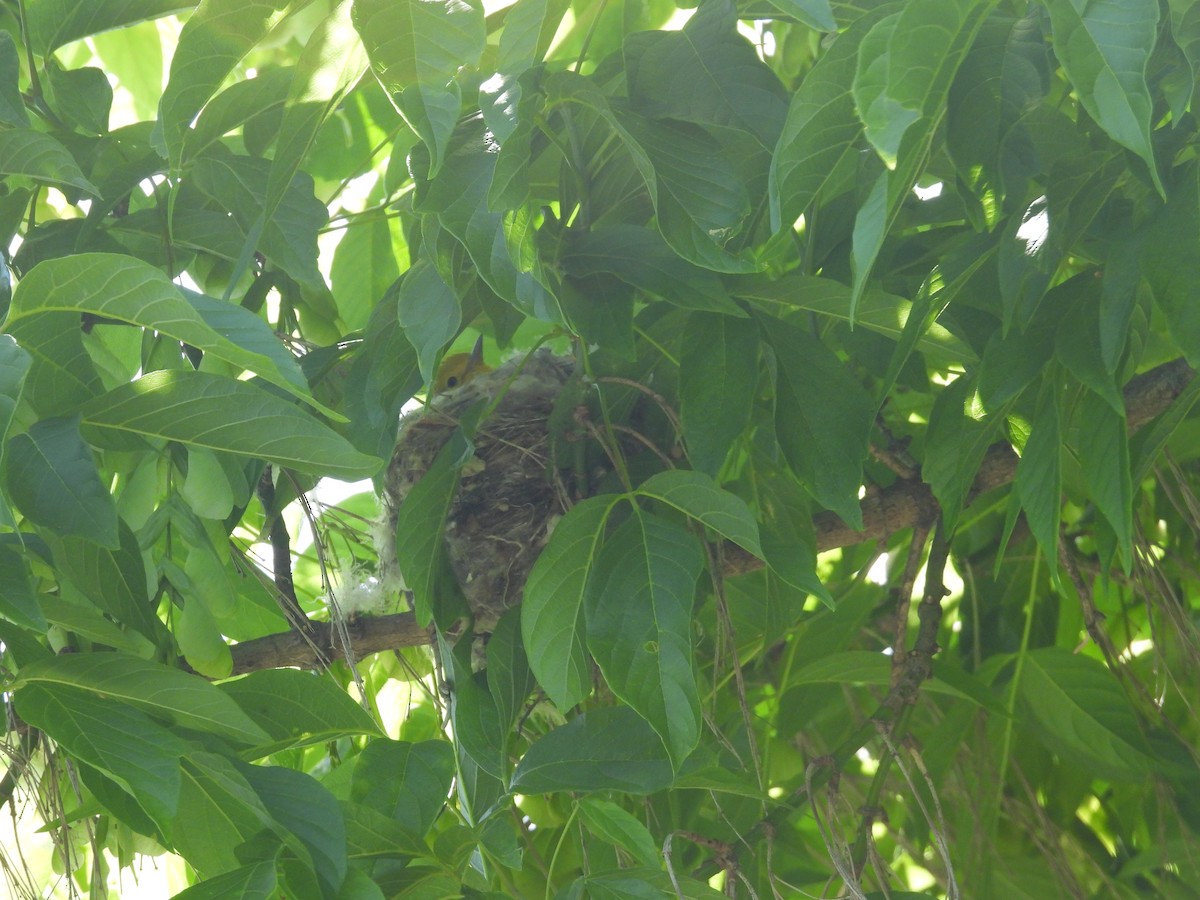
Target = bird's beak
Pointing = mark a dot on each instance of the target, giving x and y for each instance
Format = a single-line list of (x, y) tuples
[(475, 360)]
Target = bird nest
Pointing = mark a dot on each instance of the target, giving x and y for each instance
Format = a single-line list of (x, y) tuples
[(509, 495)]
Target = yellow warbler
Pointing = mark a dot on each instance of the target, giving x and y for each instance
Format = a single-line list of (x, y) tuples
[(459, 368)]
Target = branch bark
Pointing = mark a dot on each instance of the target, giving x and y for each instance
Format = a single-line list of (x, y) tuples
[(903, 505)]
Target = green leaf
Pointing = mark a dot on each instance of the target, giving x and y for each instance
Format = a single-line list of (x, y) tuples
[(528, 30), (552, 623), (407, 782), (171, 694), (372, 835), (297, 708), (906, 64), (81, 97), (429, 313), (614, 825), (416, 47), (53, 23), (364, 267), (718, 372), (199, 637), (35, 155), (823, 419), (707, 74), (1170, 267), (816, 14), (697, 495), (89, 622), (881, 312), (300, 804), (1082, 713), (61, 374), (239, 184), (128, 290), (509, 678), (638, 609), (218, 813), (1104, 47), (1104, 458), (821, 129), (15, 362), (213, 40), (253, 882), (118, 740), (236, 106), (223, 414), (114, 580), (641, 258), (605, 749), (1039, 473), (52, 478), (959, 435), (478, 732), (12, 107), (420, 525), (18, 602)]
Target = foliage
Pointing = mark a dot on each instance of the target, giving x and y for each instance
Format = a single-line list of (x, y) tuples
[(871, 302)]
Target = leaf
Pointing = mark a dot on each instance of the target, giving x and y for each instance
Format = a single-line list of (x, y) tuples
[(718, 371), (61, 374), (212, 41), (1039, 473), (15, 362), (253, 882), (372, 835), (35, 155), (614, 825), (12, 107), (509, 678), (1104, 47), (639, 257), (478, 732), (218, 812), (697, 495), (89, 622), (1170, 267), (199, 637), (121, 742), (821, 129), (416, 47), (128, 290), (906, 64), (297, 709), (364, 266), (302, 806), (171, 694), (816, 14), (881, 312), (237, 106), (1082, 713), (638, 608), (53, 23), (1104, 458), (18, 602), (239, 184), (52, 478), (605, 749), (420, 525), (407, 782), (81, 97), (113, 579), (429, 313), (707, 74), (958, 437), (552, 623), (528, 30), (223, 414), (823, 419)]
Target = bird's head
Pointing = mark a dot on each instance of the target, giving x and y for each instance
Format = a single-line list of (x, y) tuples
[(459, 368)]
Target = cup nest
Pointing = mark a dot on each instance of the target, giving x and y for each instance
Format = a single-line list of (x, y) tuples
[(509, 495)]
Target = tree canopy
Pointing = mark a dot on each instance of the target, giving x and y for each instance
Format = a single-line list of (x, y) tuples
[(876, 573)]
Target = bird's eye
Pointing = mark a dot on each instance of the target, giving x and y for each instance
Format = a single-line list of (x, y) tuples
[(452, 381)]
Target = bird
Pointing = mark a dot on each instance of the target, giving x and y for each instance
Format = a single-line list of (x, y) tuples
[(459, 368)]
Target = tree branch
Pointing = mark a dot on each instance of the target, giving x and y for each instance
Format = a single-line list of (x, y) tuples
[(903, 505)]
